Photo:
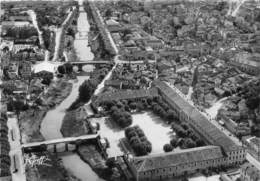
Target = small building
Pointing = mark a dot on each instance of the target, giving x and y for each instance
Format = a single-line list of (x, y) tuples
[(154, 43), (253, 146), (113, 25), (25, 69)]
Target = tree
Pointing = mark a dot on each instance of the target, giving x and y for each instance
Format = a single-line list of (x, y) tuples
[(46, 81), (86, 90), (253, 102), (132, 105), (108, 13), (126, 32), (111, 162), (189, 143), (140, 149), (139, 106), (174, 142), (61, 69), (199, 142), (140, 132), (170, 115), (71, 32), (148, 146), (185, 126), (134, 140), (167, 148), (68, 68)]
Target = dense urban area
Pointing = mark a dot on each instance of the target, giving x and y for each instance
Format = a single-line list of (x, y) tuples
[(130, 90)]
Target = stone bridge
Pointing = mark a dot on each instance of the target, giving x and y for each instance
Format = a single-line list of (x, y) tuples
[(80, 64), (59, 145)]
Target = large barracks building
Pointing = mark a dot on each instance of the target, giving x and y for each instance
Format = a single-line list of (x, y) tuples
[(221, 150)]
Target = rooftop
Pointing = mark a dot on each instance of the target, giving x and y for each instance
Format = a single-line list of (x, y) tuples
[(218, 137), (249, 59), (126, 94), (171, 159)]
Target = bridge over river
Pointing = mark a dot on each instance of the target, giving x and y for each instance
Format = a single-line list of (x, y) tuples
[(59, 145)]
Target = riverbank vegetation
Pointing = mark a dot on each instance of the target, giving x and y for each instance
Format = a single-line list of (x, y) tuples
[(30, 120), (74, 124), (87, 89), (54, 170)]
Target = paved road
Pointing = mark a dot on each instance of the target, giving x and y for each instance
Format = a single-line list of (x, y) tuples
[(59, 36), (253, 161), (15, 150)]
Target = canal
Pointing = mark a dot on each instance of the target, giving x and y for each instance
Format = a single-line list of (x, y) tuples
[(52, 122)]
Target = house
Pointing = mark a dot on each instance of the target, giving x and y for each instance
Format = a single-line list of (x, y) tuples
[(253, 146), (25, 69), (113, 25)]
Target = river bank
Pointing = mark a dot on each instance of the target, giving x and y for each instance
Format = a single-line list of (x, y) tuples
[(30, 120), (74, 123), (54, 171), (30, 126)]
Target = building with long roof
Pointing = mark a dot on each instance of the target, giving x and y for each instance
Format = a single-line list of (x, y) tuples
[(171, 164), (222, 150)]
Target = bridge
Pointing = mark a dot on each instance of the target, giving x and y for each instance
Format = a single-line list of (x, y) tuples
[(80, 64), (59, 145)]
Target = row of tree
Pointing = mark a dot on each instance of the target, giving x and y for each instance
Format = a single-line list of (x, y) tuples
[(138, 140), (186, 138)]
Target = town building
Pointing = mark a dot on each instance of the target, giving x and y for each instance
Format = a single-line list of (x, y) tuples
[(124, 95), (253, 146), (154, 43), (223, 150), (5, 161), (167, 165), (113, 25), (248, 63)]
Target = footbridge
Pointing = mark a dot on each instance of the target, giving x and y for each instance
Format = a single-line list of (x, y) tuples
[(59, 145)]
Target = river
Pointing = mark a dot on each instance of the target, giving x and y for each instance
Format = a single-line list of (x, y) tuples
[(52, 122)]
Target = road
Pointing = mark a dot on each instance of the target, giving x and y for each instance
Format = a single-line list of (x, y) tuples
[(253, 161), (14, 138), (59, 36)]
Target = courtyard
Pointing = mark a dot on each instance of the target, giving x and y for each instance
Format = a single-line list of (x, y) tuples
[(156, 130)]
